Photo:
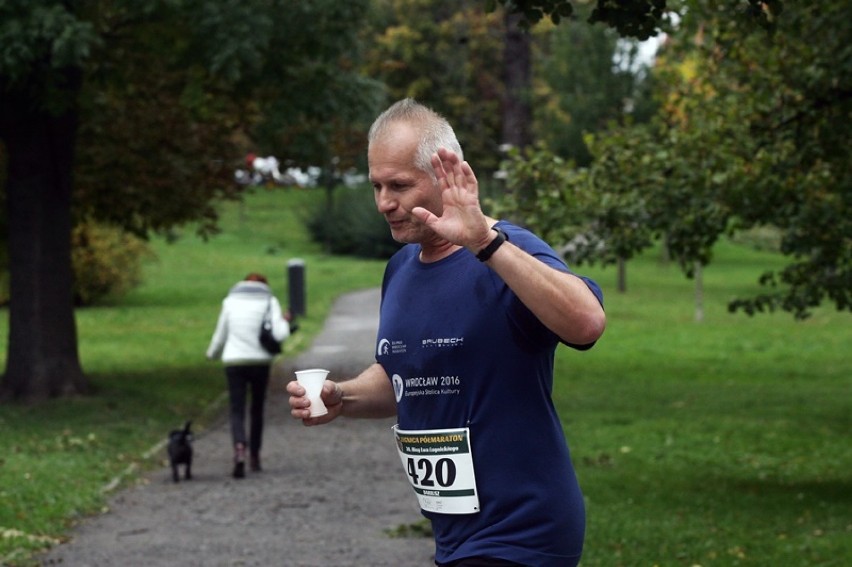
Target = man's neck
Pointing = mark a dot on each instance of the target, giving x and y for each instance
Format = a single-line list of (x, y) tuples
[(433, 253)]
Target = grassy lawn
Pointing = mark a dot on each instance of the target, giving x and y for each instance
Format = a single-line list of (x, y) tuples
[(718, 443), (144, 356)]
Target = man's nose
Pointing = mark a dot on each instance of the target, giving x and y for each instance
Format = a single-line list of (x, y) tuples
[(385, 201)]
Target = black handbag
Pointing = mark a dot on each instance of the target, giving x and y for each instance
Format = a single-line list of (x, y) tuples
[(267, 339)]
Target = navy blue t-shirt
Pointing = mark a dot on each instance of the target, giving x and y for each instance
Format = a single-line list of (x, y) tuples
[(455, 321)]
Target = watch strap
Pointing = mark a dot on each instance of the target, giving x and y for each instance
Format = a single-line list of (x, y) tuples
[(492, 247)]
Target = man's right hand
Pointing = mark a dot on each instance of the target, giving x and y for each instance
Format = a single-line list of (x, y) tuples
[(332, 397)]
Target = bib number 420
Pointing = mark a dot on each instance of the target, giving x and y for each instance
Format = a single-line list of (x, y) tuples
[(424, 473), (439, 467)]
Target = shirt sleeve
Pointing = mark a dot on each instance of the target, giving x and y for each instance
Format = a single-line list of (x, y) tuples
[(217, 341)]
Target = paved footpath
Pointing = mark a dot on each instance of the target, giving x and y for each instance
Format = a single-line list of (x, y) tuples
[(325, 497)]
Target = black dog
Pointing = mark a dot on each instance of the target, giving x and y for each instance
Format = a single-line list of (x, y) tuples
[(180, 451)]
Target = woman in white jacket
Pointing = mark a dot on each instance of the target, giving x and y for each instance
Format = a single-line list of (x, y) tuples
[(247, 364)]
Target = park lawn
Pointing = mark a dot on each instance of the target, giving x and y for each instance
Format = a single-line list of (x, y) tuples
[(144, 355), (724, 442), (719, 443)]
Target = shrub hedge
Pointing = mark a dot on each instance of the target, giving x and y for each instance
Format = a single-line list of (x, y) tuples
[(348, 224)]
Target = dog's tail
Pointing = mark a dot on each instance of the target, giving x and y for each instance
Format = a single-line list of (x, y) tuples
[(186, 426)]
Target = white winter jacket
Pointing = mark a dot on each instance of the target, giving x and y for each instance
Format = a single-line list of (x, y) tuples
[(236, 337)]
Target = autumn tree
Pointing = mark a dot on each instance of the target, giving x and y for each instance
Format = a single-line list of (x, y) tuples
[(586, 78), (448, 56), (126, 112), (638, 19), (517, 104), (761, 118), (751, 132)]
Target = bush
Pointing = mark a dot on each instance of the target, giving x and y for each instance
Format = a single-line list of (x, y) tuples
[(107, 262), (762, 237), (351, 226)]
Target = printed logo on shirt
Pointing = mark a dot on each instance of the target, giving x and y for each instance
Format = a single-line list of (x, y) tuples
[(386, 347), (398, 387), (443, 342), (383, 348), (425, 386)]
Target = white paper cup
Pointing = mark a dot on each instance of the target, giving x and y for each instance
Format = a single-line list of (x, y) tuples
[(312, 380)]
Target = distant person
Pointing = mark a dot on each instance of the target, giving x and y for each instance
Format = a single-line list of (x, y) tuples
[(264, 168), (247, 364), (472, 311)]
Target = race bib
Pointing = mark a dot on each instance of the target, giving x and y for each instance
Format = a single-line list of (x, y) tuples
[(439, 466)]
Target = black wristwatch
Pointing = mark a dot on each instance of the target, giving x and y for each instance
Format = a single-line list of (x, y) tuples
[(486, 252)]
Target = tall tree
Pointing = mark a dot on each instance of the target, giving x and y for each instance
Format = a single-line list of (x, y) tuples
[(517, 76), (448, 56), (587, 79), (751, 132), (39, 145), (764, 116), (129, 110)]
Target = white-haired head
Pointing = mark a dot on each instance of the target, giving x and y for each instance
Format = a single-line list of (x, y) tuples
[(434, 131)]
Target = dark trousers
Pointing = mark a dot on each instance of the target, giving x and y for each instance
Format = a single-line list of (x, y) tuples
[(241, 379)]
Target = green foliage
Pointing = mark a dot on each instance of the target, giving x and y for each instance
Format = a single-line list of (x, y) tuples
[(543, 193), (154, 148), (578, 210), (39, 37), (147, 107), (227, 68), (751, 132), (237, 51), (586, 79), (622, 182), (639, 19), (220, 67), (351, 226), (533, 11), (447, 57), (766, 115), (107, 262), (313, 104), (633, 18)]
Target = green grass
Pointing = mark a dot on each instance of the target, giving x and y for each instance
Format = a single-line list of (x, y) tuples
[(144, 356), (718, 443)]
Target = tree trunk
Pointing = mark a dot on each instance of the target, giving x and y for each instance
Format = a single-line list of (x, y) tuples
[(517, 70), (699, 293), (42, 360)]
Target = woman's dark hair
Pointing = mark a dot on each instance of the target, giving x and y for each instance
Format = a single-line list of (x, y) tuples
[(255, 277)]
